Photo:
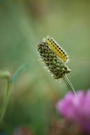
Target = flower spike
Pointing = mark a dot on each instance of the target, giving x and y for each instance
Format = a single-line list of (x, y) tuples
[(55, 59)]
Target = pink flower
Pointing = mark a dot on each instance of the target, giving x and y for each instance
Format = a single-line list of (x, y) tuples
[(76, 109)]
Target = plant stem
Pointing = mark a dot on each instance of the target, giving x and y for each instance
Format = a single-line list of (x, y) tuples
[(10, 80), (69, 84), (5, 102)]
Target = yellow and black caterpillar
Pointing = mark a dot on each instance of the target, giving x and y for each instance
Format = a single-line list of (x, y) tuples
[(58, 50)]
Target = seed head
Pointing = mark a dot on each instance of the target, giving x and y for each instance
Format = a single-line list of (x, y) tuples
[(54, 57)]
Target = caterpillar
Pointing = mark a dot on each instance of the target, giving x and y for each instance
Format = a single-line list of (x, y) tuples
[(58, 50)]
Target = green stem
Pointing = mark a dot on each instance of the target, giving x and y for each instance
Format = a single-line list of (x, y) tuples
[(69, 84), (10, 80), (5, 102)]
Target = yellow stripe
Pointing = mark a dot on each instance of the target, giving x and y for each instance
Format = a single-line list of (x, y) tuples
[(57, 50)]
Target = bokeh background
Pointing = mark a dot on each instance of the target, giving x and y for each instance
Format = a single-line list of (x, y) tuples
[(23, 23)]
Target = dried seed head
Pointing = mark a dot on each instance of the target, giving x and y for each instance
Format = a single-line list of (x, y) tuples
[(54, 57)]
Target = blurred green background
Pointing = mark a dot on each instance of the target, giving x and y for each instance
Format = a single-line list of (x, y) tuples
[(23, 23)]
